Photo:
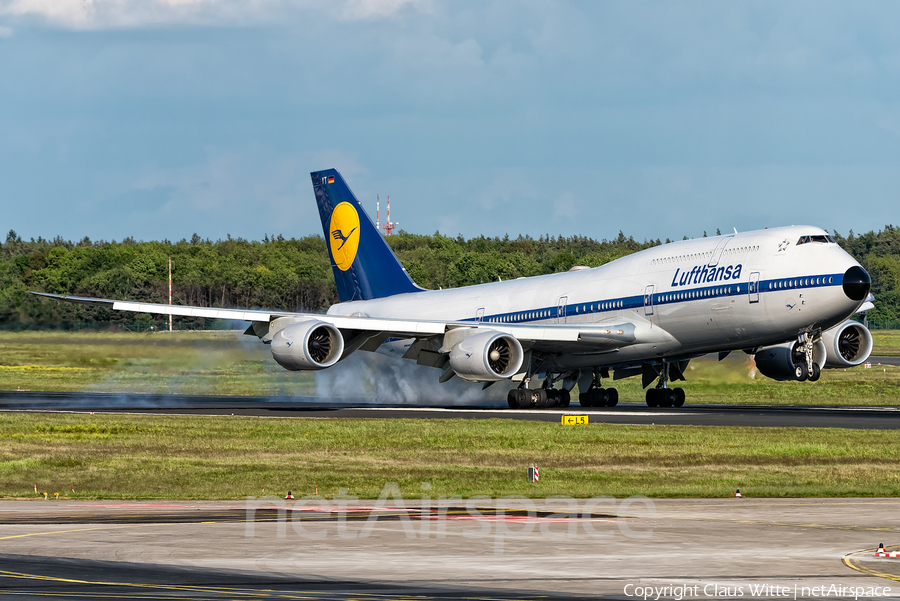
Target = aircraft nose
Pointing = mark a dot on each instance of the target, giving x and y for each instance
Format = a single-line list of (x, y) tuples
[(857, 283)]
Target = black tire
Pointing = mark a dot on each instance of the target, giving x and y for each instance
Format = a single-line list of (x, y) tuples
[(613, 397), (602, 397), (524, 398), (512, 399), (564, 397), (801, 372), (666, 397), (584, 399), (652, 398), (539, 398), (816, 373), (679, 397)]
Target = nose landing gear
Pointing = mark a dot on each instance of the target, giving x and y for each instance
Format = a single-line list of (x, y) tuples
[(805, 367)]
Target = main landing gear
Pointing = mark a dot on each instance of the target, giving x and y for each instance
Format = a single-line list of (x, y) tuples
[(665, 397), (597, 396), (523, 398), (662, 395)]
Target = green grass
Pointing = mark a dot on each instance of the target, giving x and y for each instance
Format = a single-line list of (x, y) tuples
[(200, 457), (886, 343), (180, 362), (230, 363)]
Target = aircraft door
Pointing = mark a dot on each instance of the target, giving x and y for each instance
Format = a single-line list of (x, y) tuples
[(753, 287), (479, 314), (561, 309), (648, 300)]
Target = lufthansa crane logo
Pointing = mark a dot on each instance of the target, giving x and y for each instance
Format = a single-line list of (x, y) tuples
[(344, 239)]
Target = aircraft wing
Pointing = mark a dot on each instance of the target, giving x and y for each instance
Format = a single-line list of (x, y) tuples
[(547, 337)]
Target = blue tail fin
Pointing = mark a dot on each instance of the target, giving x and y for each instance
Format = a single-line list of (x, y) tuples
[(364, 265)]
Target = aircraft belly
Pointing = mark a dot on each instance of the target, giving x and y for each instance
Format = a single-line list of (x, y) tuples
[(632, 354)]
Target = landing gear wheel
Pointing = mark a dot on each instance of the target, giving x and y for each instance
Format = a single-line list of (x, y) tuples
[(584, 399), (564, 398), (524, 398), (816, 372), (652, 398), (512, 399), (679, 397), (612, 398), (666, 397), (801, 372), (602, 399)]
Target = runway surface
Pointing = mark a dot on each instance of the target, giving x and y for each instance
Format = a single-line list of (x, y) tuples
[(57, 578), (699, 415), (884, 360), (503, 549)]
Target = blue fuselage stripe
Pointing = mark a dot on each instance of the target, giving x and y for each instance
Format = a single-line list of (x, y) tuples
[(663, 298)]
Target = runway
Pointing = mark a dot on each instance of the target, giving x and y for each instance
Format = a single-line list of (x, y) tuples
[(884, 360), (478, 549), (279, 407)]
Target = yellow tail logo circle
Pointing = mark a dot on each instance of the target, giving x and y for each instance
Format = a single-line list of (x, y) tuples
[(344, 239)]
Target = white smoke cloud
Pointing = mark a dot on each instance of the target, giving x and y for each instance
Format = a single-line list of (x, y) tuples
[(104, 14), (380, 379)]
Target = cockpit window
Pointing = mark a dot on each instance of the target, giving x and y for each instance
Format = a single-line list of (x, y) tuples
[(826, 239)]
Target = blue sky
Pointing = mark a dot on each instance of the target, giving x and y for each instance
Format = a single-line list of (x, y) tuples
[(160, 118)]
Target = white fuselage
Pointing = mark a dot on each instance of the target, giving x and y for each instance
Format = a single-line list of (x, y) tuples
[(723, 293)]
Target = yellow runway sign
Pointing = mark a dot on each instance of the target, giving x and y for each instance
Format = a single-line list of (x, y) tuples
[(574, 420)]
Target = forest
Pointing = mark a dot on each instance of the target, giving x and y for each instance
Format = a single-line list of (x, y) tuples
[(295, 274)]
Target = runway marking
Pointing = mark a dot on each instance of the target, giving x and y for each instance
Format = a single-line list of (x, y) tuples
[(518, 411), (168, 587), (768, 523), (299, 595), (852, 561), (763, 501), (68, 531)]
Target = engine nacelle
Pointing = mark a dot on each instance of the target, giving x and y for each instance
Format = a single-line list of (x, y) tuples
[(308, 345), (847, 345), (487, 357), (779, 362)]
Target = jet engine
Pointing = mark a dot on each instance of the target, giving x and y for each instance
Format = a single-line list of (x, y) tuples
[(847, 345), (486, 357), (780, 362), (308, 345)]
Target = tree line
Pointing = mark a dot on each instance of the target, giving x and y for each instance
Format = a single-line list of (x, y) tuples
[(295, 274)]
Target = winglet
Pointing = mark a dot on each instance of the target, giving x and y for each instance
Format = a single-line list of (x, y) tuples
[(364, 265)]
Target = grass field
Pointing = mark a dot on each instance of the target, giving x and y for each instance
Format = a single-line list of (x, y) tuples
[(230, 363), (886, 343), (198, 457)]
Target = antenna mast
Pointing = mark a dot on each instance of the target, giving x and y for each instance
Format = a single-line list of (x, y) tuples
[(389, 226), (170, 292)]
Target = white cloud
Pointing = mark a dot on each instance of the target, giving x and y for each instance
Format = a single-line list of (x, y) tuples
[(567, 206), (368, 9), (269, 188), (5, 32), (103, 14)]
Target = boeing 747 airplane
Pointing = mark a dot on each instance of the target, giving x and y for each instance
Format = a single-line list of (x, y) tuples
[(784, 295)]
